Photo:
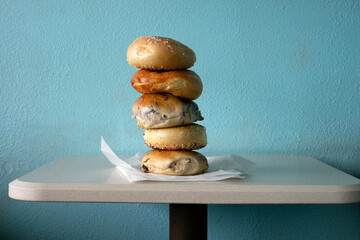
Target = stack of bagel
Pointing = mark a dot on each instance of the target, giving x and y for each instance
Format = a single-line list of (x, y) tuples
[(166, 109)]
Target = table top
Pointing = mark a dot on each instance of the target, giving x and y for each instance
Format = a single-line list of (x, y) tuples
[(275, 179)]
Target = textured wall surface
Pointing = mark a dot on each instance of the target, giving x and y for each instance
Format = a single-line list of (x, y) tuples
[(279, 77)]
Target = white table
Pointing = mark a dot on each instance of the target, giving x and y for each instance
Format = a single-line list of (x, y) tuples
[(273, 180)]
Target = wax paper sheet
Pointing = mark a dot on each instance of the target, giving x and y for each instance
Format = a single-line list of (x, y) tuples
[(220, 167)]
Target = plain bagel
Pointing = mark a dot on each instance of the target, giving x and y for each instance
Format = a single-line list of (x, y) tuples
[(160, 53), (176, 163), (188, 137), (181, 83)]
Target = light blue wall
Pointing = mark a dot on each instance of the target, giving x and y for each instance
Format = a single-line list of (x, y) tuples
[(279, 77)]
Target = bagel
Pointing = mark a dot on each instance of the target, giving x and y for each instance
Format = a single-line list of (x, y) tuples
[(188, 137), (160, 53), (181, 83), (164, 110), (176, 163)]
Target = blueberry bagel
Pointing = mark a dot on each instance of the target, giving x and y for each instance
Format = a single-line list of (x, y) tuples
[(164, 110), (176, 163)]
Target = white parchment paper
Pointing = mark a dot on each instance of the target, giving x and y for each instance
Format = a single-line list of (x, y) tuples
[(220, 167)]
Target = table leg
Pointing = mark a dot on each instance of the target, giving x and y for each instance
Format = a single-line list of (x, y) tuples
[(188, 221)]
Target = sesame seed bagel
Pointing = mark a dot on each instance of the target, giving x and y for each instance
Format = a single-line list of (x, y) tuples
[(160, 53)]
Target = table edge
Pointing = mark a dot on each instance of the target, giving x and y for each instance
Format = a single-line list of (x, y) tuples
[(138, 193)]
